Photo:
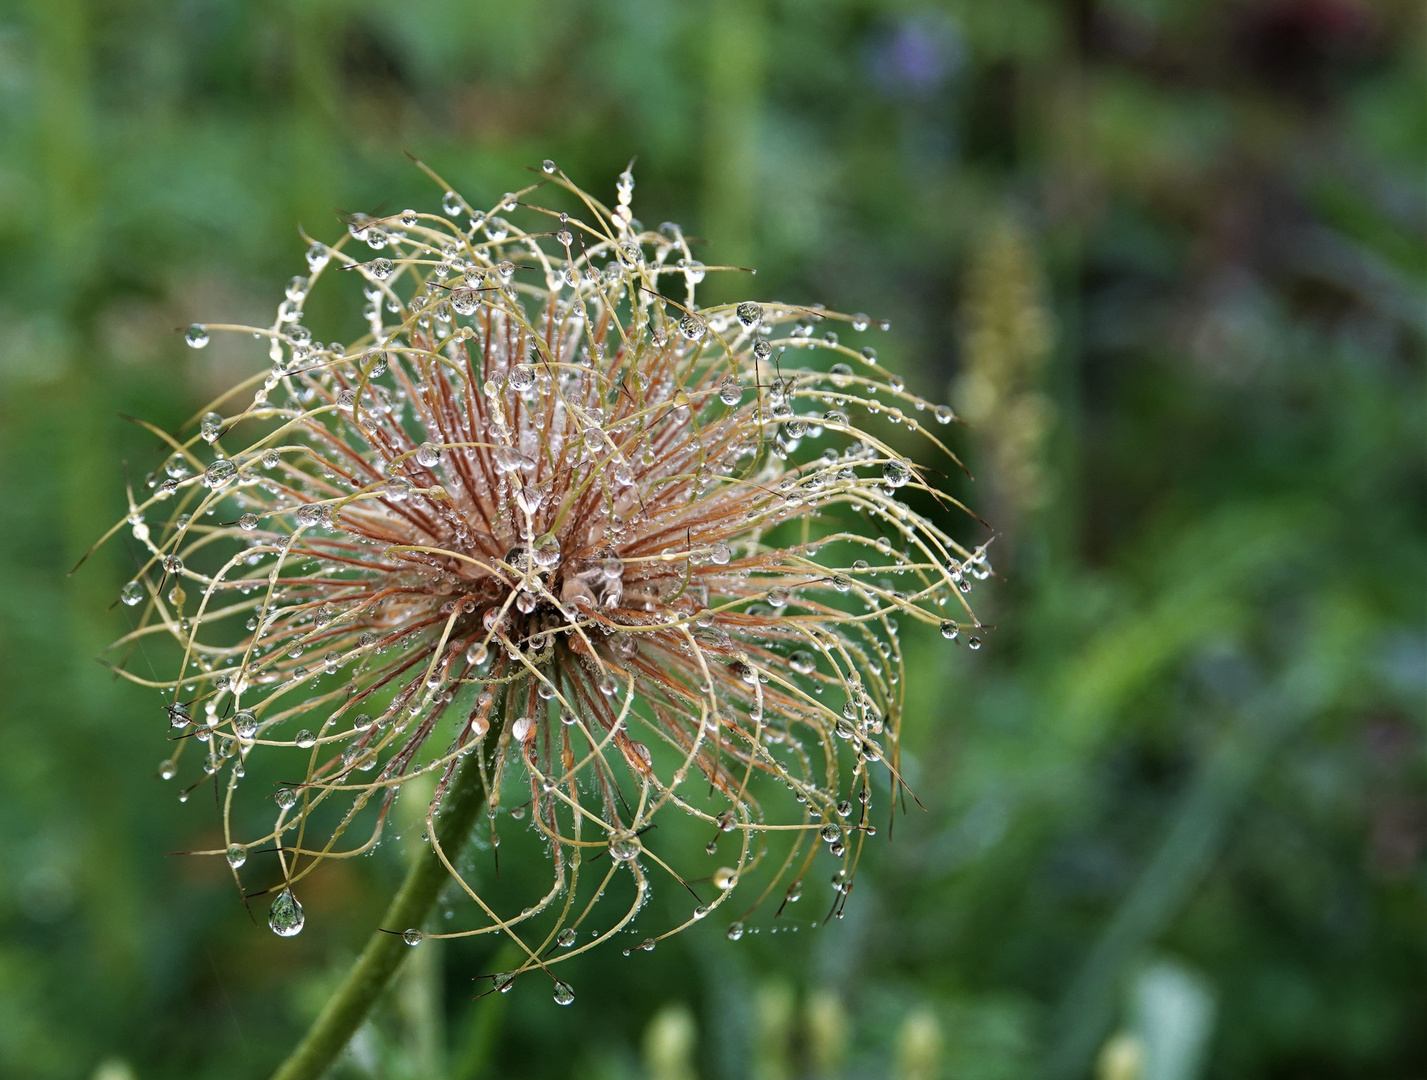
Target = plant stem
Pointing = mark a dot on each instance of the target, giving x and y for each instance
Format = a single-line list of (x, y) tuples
[(349, 1006)]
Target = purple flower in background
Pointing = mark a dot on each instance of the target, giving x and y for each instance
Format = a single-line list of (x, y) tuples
[(916, 56)]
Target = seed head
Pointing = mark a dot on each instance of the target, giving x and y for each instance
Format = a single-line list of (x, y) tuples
[(644, 559)]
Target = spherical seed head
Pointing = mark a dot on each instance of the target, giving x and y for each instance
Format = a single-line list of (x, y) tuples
[(641, 558)]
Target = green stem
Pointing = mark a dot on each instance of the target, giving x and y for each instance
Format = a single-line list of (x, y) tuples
[(349, 1006)]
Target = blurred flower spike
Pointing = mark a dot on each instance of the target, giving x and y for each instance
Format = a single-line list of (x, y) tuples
[(624, 556)]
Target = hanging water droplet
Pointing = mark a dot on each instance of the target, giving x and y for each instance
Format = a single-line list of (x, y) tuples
[(132, 593), (563, 994), (895, 474), (749, 313), (725, 878), (735, 931), (624, 846), (547, 167), (943, 414), (973, 643), (237, 855), (245, 724), (452, 204), (565, 938), (219, 473), (412, 937), (196, 336), (949, 630), (729, 392), (428, 454), (803, 662), (285, 916), (305, 739)]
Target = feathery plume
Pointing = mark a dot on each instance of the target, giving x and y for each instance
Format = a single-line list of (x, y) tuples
[(549, 516)]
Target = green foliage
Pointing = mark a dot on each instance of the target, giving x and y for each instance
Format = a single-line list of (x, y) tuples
[(1194, 740)]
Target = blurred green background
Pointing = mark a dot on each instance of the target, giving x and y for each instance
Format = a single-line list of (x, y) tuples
[(1167, 256)]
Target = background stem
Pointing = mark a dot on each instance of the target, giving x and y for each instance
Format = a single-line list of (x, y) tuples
[(349, 1006)]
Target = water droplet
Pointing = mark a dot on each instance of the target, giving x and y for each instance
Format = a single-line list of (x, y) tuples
[(973, 643), (725, 878), (219, 473), (305, 739), (167, 769), (943, 414), (428, 454), (692, 326), (735, 931), (245, 724), (132, 593), (949, 630), (285, 916), (896, 474), (196, 336), (547, 167), (803, 662), (452, 204), (412, 937), (565, 938), (624, 846), (563, 994), (285, 798), (729, 392), (237, 855), (749, 313)]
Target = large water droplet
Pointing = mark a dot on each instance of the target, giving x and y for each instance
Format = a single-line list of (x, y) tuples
[(196, 336), (895, 474), (219, 473), (624, 846), (285, 916)]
